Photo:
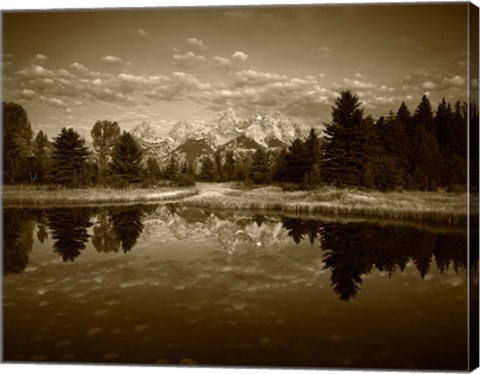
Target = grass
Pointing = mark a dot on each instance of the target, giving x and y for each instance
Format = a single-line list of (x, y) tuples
[(414, 205), (45, 195), (439, 206)]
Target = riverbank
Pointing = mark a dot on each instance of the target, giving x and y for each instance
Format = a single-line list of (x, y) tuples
[(30, 196), (438, 206)]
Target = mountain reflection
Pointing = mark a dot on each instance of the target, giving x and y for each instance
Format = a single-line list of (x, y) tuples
[(349, 250)]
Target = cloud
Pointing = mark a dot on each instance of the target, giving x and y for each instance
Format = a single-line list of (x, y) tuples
[(253, 90), (196, 43), (189, 60), (239, 56), (113, 60), (27, 94), (321, 52), (429, 85), (456, 80), (356, 84), (57, 103), (141, 33), (255, 78), (221, 62), (40, 59), (79, 67)]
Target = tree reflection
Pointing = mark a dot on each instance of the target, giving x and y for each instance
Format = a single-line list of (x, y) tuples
[(299, 228), (127, 226), (18, 228), (104, 238), (352, 250), (69, 230)]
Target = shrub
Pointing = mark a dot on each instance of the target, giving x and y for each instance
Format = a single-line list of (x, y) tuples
[(185, 180)]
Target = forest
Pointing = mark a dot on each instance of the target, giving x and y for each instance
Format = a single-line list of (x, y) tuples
[(425, 149)]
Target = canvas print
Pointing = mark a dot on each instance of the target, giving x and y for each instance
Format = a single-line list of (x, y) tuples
[(254, 186)]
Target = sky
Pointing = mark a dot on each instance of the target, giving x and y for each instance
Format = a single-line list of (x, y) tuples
[(70, 69)]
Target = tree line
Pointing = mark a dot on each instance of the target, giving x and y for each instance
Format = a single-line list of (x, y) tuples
[(422, 150)]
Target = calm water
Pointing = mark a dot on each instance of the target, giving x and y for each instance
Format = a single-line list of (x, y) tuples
[(170, 285)]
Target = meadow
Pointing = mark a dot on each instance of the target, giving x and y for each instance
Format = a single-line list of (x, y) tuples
[(434, 206)]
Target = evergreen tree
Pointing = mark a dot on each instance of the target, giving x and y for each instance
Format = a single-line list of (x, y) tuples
[(426, 172), (241, 170), (153, 171), (17, 138), (105, 135), (172, 169), (259, 169), (208, 170), (344, 151), (126, 160), (312, 150), (69, 159), (279, 166), (295, 163), (229, 166)]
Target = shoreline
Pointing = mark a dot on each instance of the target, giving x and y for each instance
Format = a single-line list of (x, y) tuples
[(435, 206)]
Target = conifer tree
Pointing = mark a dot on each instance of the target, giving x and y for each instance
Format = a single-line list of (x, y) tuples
[(69, 159), (229, 166), (208, 170), (344, 152), (126, 160), (153, 171), (259, 169)]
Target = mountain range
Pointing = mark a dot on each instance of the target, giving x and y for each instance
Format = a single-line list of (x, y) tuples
[(190, 142)]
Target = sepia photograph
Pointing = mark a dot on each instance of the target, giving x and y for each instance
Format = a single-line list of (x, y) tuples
[(289, 186)]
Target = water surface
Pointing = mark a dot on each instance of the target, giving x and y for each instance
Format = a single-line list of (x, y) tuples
[(171, 285)]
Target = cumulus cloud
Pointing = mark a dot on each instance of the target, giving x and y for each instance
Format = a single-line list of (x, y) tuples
[(113, 60), (456, 80), (27, 94), (239, 56), (141, 33), (189, 60), (221, 62), (79, 67), (356, 84), (40, 59), (429, 85), (196, 43)]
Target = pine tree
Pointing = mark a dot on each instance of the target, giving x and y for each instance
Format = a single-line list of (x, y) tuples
[(344, 152), (172, 169), (153, 171), (229, 166), (295, 163), (208, 170), (126, 160), (69, 159), (426, 174), (312, 150), (259, 169)]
